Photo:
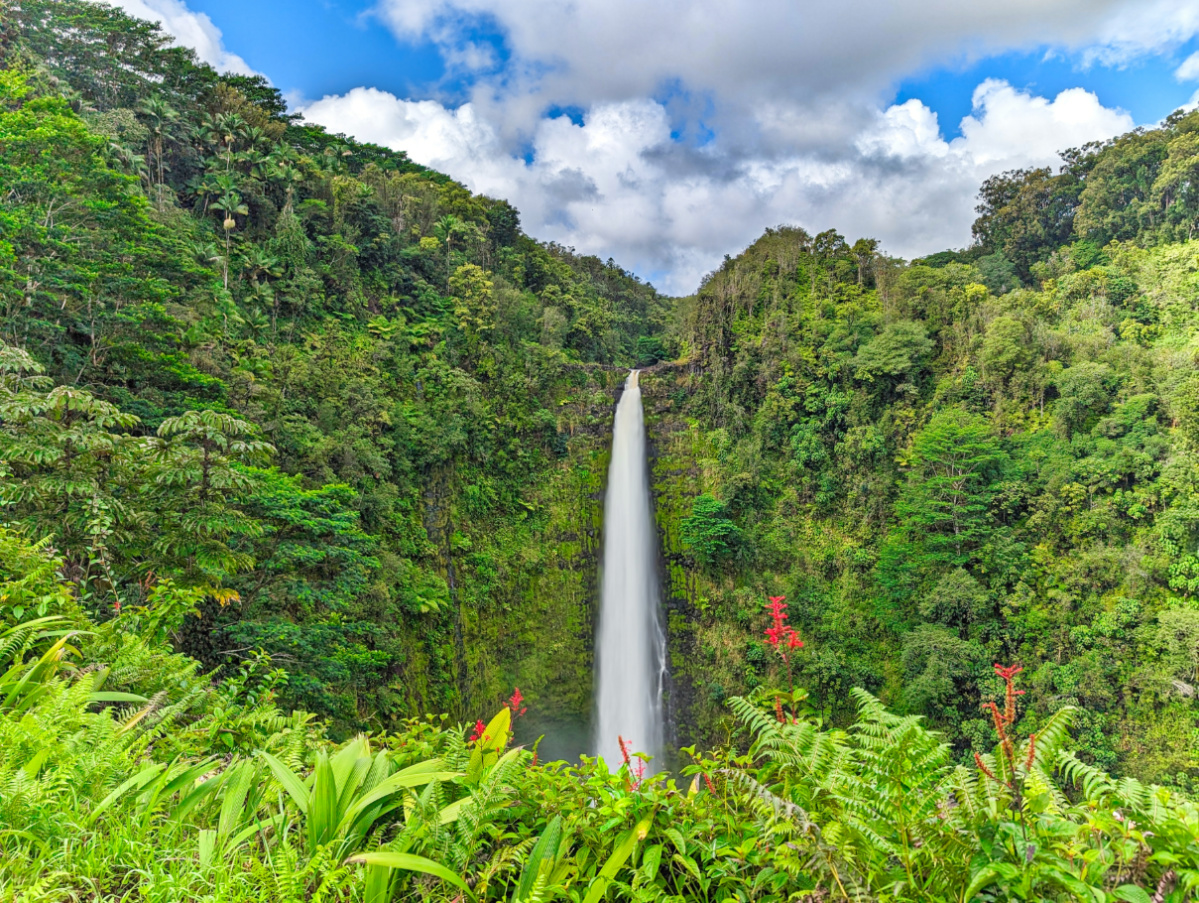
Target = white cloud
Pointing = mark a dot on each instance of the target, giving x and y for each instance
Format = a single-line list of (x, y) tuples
[(1189, 70), (191, 29), (1012, 128), (619, 185), (1147, 26), (790, 95), (743, 52)]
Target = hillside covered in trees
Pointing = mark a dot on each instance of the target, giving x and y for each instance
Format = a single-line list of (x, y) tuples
[(981, 456), (302, 459)]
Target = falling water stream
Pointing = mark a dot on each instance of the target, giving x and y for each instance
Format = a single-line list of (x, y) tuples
[(630, 645)]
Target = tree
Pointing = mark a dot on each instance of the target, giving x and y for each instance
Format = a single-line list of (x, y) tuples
[(163, 121), (1024, 215), (197, 481), (1084, 396), (67, 469), (474, 304), (944, 504), (709, 533), (896, 352)]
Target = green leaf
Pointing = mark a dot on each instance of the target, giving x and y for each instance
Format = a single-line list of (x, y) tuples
[(541, 858), (289, 780), (1132, 894), (618, 858), (138, 781), (411, 863), (117, 697)]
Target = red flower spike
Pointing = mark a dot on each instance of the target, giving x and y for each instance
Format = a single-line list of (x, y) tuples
[(1008, 676), (515, 703), (1009, 672), (779, 632), (638, 774), (978, 760), (478, 732), (708, 781)]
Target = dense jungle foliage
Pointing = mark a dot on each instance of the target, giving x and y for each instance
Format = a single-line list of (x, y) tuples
[(347, 406), (300, 441), (983, 456)]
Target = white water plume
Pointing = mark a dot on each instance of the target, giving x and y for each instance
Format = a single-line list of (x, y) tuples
[(630, 650)]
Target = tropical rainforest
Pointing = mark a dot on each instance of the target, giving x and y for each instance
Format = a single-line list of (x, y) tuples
[(302, 460)]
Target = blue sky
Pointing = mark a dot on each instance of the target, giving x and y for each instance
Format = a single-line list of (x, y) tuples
[(319, 47), (1146, 87), (668, 134), (312, 48)]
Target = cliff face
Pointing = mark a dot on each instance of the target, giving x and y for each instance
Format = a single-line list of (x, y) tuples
[(523, 588), (700, 648)]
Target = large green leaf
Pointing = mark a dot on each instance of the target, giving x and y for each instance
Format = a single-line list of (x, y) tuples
[(412, 863)]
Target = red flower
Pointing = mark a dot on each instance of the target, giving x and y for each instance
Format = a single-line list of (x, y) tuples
[(514, 703), (1009, 672), (636, 772), (478, 734), (779, 632)]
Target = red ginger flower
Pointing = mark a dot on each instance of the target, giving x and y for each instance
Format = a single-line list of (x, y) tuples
[(478, 733), (1009, 672), (636, 772), (780, 633), (515, 703)]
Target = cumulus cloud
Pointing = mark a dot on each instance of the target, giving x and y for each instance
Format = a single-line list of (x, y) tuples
[(707, 120), (1189, 70), (191, 29), (757, 51), (620, 184)]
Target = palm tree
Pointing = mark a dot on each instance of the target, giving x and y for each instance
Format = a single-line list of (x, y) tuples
[(229, 203), (446, 228), (163, 122)]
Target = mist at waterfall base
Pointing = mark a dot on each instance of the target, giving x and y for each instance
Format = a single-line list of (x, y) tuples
[(630, 646)]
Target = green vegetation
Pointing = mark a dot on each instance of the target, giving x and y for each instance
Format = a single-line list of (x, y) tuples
[(343, 406), (300, 441), (941, 472), (127, 775)]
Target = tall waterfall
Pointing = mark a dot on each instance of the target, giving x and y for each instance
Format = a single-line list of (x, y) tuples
[(631, 645)]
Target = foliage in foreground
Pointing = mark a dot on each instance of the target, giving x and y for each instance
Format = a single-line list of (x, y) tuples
[(127, 775)]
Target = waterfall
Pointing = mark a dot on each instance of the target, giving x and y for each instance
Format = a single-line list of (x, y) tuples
[(630, 650)]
